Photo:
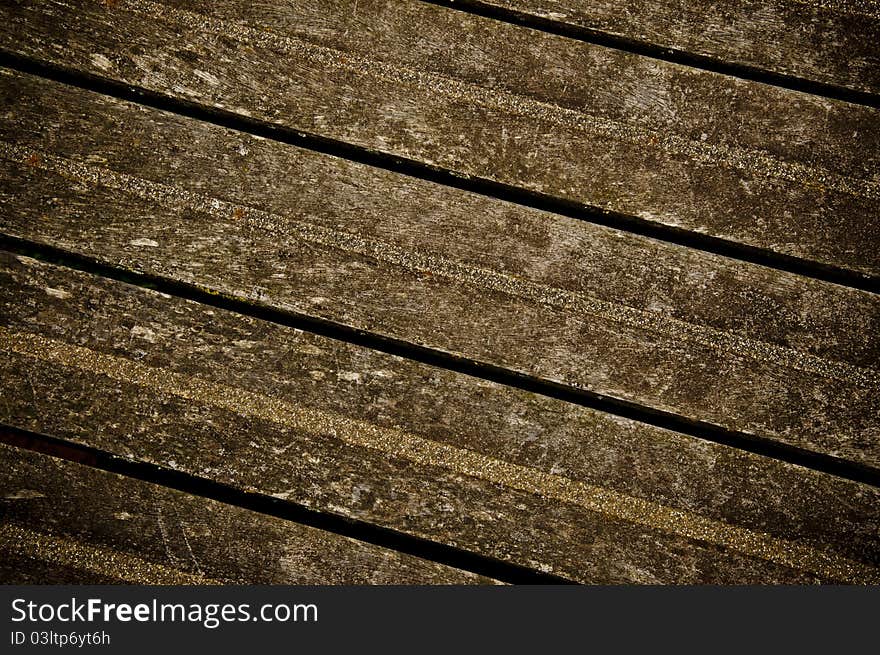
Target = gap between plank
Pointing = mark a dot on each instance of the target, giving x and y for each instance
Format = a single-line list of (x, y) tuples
[(437, 175), (654, 51), (400, 444), (659, 418), (284, 509)]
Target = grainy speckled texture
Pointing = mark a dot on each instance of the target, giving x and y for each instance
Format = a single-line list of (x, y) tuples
[(743, 161), (348, 430), (738, 345), (66, 523), (834, 42), (356, 433)]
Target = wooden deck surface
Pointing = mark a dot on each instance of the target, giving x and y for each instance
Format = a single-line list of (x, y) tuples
[(392, 291)]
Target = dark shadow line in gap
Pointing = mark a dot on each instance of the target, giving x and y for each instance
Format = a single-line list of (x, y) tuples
[(353, 528), (485, 187), (654, 51), (433, 357)]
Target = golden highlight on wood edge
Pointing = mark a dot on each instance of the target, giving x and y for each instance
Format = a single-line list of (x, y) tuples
[(398, 443), (17, 540), (289, 227)]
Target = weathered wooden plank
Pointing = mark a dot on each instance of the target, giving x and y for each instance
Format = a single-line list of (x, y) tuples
[(772, 168), (828, 42), (62, 522), (741, 346), (426, 451)]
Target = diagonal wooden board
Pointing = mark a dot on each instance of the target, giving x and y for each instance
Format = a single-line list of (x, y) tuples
[(436, 454), (765, 353), (834, 42), (777, 170), (67, 523)]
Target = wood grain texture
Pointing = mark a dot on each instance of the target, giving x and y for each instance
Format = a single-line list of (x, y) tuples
[(748, 348), (430, 452), (66, 523), (829, 42), (775, 169)]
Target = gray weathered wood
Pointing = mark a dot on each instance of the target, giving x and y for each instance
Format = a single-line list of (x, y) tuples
[(834, 43), (741, 346), (769, 167), (437, 454), (65, 523)]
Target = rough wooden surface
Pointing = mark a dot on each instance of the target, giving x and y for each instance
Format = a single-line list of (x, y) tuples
[(66, 523), (775, 169), (348, 430), (835, 43), (748, 348), (224, 395)]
